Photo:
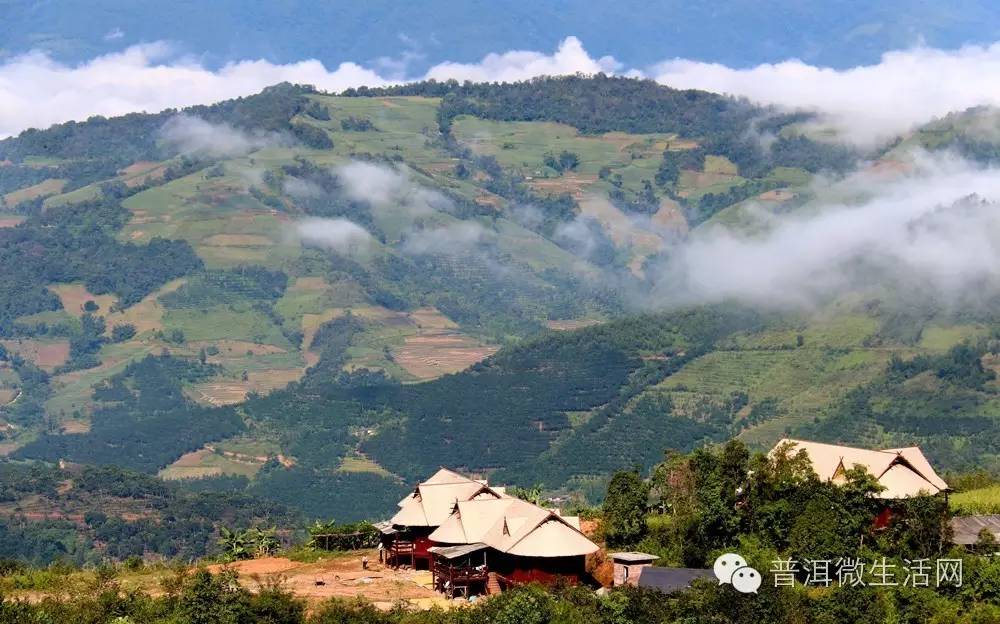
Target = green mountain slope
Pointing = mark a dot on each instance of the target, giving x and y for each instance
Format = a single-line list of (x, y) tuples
[(331, 296)]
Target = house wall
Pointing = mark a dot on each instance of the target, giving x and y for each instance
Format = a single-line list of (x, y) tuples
[(627, 573), (545, 570)]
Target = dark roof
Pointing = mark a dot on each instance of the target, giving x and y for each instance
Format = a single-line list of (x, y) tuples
[(454, 552), (671, 579), (966, 528)]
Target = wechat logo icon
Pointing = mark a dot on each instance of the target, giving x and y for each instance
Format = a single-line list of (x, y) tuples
[(733, 569)]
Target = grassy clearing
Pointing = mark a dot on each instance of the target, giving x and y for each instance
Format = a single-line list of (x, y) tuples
[(73, 392), (74, 296), (982, 501), (939, 338), (207, 463), (225, 322), (523, 146), (359, 463), (220, 219)]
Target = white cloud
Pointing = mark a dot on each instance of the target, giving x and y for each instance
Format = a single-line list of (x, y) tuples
[(36, 91), (389, 187), (866, 103), (193, 135), (569, 58), (453, 239), (919, 231), (340, 235)]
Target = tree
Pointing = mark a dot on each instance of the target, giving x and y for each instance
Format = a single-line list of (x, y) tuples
[(91, 306), (531, 494), (214, 599), (625, 508), (122, 332)]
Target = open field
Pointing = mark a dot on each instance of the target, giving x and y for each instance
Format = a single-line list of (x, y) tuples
[(74, 296), (360, 463), (9, 221), (982, 501), (42, 189), (437, 352), (74, 391), (227, 322), (7, 395), (220, 391), (208, 463), (141, 172), (46, 354), (147, 315)]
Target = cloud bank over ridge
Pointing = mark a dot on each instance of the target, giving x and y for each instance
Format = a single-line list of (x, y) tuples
[(863, 103)]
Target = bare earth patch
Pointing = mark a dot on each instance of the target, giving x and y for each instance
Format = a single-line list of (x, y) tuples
[(147, 315), (44, 188), (436, 352), (342, 577), (73, 296), (141, 172), (9, 222), (75, 426), (571, 324), (572, 183), (45, 355), (230, 392), (7, 395), (777, 195)]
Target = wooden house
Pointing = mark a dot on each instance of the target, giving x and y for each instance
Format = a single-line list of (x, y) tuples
[(475, 538), (405, 538)]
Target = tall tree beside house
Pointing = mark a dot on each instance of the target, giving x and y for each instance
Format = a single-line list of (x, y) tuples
[(625, 509)]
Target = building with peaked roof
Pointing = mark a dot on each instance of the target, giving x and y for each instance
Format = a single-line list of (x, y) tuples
[(903, 472), (406, 535), (473, 536), (522, 542)]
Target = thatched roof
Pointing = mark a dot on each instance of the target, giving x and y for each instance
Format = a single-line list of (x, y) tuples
[(514, 526), (434, 500), (903, 472)]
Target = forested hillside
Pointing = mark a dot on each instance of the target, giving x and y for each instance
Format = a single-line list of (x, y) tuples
[(318, 299)]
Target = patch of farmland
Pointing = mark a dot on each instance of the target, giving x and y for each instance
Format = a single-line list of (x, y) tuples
[(220, 392), (232, 322), (44, 188), (361, 463), (807, 380), (74, 296), (141, 172), (9, 221), (74, 391), (208, 463), (437, 348), (147, 315), (7, 395), (237, 240), (45, 354), (571, 324)]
